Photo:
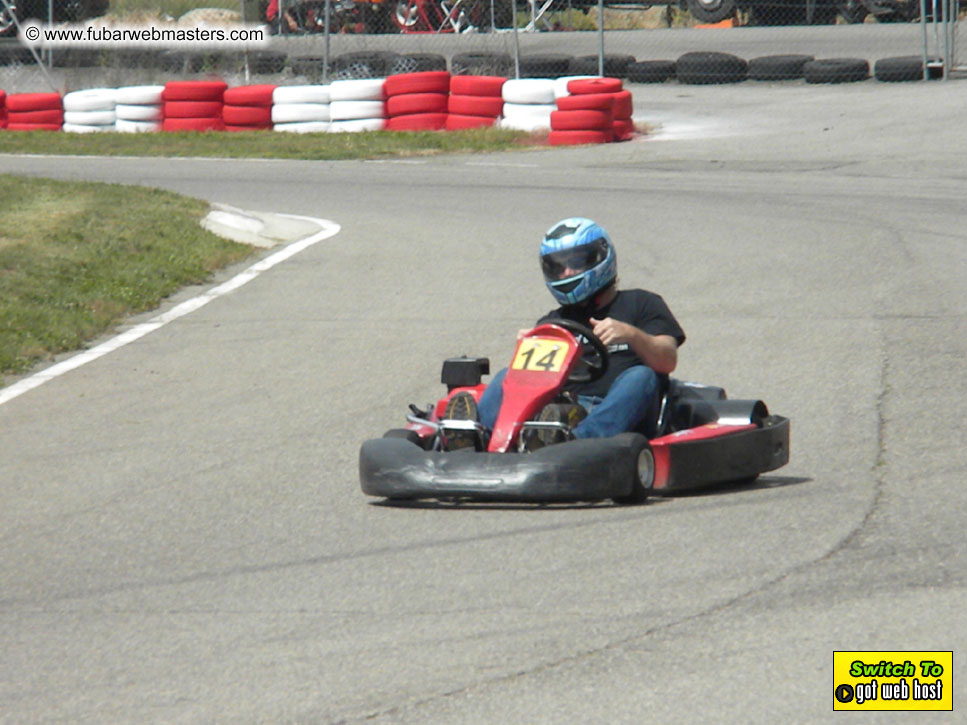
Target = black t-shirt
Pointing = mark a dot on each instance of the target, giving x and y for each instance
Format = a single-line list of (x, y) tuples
[(645, 310)]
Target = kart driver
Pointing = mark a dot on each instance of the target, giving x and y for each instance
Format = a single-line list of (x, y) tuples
[(642, 336)]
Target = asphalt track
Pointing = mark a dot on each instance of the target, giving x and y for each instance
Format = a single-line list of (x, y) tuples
[(184, 538)]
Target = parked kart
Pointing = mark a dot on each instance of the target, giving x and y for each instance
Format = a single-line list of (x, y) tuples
[(704, 438)]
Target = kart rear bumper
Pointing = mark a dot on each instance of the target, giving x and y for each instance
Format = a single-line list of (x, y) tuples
[(579, 470)]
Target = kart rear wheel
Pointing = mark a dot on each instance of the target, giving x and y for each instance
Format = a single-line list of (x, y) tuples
[(643, 471)]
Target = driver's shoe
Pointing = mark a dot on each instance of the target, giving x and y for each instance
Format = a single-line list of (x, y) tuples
[(570, 414), (461, 406)]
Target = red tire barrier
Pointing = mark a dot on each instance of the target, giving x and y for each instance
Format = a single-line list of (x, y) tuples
[(475, 105), (477, 85), (417, 122), (192, 109), (247, 116), (25, 102), (624, 129), (14, 126), (456, 121), (42, 117), (587, 101), (194, 91), (3, 109), (258, 95), (408, 103), (192, 124), (594, 85), (623, 105), (433, 81), (582, 120), (575, 138)]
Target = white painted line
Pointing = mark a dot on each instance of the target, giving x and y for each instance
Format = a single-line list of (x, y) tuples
[(328, 229)]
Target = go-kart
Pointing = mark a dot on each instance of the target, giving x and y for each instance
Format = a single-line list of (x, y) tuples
[(700, 437)]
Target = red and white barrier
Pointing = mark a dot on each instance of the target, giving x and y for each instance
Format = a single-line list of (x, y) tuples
[(577, 109)]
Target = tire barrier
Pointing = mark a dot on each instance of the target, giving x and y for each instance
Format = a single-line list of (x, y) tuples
[(596, 110), (35, 112), (545, 65), (836, 70), (902, 68), (474, 101), (193, 106), (778, 67), (615, 65), (528, 104), (248, 108), (702, 68), (90, 111), (417, 101), (574, 109), (482, 64), (139, 109), (651, 71)]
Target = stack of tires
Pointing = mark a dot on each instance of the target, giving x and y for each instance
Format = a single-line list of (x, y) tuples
[(528, 104), (357, 105), (596, 110), (139, 109), (90, 110), (301, 109), (248, 108), (417, 101), (3, 109), (474, 101), (193, 105), (35, 112)]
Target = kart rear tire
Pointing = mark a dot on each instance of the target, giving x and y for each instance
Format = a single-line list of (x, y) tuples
[(642, 470)]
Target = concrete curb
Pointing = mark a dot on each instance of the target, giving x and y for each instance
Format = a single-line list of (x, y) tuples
[(260, 229)]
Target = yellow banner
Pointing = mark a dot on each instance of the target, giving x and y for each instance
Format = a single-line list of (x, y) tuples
[(893, 680)]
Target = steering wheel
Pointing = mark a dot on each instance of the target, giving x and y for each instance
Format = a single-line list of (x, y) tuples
[(594, 361)]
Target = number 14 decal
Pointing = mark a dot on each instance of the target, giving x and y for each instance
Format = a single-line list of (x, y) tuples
[(540, 354)]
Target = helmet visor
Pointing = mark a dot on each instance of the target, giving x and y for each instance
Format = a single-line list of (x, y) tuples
[(572, 262)]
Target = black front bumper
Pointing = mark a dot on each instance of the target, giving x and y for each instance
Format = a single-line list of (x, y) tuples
[(579, 470)]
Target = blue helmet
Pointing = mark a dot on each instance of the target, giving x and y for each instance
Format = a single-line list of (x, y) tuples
[(577, 259)]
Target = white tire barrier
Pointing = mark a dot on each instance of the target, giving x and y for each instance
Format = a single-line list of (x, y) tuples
[(356, 110), (300, 112), (527, 116), (139, 95), (83, 128), (301, 94), (528, 91), (303, 127), (138, 113), (359, 89), (90, 118), (91, 99)]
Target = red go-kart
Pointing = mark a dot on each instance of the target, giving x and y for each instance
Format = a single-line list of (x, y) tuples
[(703, 437)]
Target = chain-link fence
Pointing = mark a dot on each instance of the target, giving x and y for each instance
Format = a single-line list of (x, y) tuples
[(694, 41)]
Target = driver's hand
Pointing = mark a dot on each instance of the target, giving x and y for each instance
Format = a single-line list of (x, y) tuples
[(611, 331)]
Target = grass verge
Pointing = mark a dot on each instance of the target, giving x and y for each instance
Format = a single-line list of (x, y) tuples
[(269, 144), (78, 258)]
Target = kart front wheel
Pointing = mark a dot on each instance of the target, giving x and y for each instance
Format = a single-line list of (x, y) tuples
[(642, 471)]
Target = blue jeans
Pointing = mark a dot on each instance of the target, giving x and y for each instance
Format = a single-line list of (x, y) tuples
[(631, 399)]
